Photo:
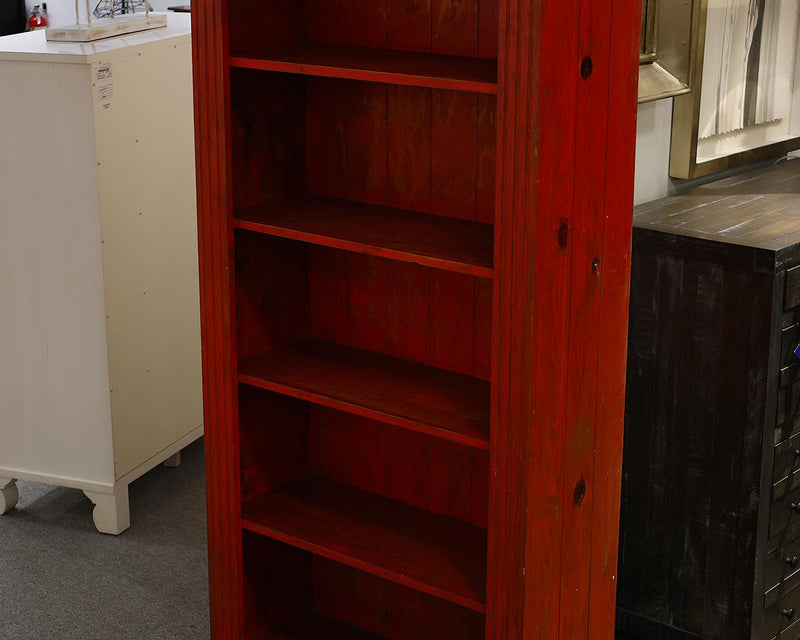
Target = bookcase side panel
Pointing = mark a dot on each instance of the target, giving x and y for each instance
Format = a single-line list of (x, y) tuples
[(562, 212), (212, 144)]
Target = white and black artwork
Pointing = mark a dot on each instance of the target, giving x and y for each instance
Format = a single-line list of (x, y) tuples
[(748, 65)]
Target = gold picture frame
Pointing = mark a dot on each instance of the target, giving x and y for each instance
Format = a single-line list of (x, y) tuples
[(689, 153), (666, 48)]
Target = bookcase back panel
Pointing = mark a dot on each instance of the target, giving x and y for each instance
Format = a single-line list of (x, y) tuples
[(391, 610), (255, 23), (287, 290), (272, 305), (274, 440), (283, 439), (437, 475), (434, 317), (277, 583), (449, 27), (415, 148), (429, 150), (267, 136)]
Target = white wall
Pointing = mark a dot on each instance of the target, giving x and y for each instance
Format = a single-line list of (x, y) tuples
[(653, 131)]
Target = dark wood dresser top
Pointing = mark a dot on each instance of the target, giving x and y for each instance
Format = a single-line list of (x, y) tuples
[(758, 209)]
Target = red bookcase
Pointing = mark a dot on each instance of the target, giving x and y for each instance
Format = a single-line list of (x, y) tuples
[(414, 243)]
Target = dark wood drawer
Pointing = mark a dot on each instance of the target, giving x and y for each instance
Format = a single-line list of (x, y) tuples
[(782, 513), (790, 339), (790, 375), (783, 565), (780, 618), (787, 458), (788, 403)]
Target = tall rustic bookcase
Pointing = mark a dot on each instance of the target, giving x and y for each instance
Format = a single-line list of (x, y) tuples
[(414, 226)]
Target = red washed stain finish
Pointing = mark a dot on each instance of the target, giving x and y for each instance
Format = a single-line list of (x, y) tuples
[(424, 432)]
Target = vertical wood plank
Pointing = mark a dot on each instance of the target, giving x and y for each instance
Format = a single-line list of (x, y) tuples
[(367, 154), (274, 437), (585, 241), (450, 479), (408, 613), (480, 488), (486, 158), (215, 239), (408, 311), (410, 469), (326, 21), (327, 289), (409, 148), (352, 596), (452, 321), (483, 328), (488, 28), (326, 137), (535, 155), (257, 107), (455, 27), (367, 23), (271, 292), (453, 154), (625, 25), (366, 298), (254, 23), (410, 25), (511, 396), (349, 449)]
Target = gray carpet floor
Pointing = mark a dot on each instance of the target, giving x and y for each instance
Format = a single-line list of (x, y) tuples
[(61, 580)]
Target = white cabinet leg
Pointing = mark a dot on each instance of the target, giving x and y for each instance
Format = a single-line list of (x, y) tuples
[(8, 495), (111, 511), (173, 460)]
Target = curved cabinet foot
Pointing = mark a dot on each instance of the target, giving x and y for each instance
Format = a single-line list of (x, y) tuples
[(111, 511), (9, 495), (173, 461)]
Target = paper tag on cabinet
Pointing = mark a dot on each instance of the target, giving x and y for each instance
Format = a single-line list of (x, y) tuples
[(103, 83), (102, 71)]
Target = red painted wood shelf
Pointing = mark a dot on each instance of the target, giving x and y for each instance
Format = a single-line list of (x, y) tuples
[(462, 246), (400, 392), (434, 554), (315, 625), (376, 65)]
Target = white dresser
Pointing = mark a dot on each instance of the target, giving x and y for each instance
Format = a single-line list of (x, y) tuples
[(100, 372)]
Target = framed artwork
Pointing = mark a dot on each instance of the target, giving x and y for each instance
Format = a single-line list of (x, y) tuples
[(745, 106)]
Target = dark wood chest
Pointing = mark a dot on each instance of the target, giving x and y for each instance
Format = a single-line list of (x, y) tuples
[(710, 527)]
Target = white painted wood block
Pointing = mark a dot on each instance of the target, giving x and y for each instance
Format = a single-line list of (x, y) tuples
[(100, 366), (105, 28)]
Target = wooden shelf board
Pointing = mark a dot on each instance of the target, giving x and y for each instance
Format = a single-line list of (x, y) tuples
[(315, 625), (399, 392), (375, 65), (463, 246), (440, 556)]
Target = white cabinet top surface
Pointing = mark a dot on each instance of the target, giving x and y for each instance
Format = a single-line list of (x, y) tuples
[(33, 47)]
